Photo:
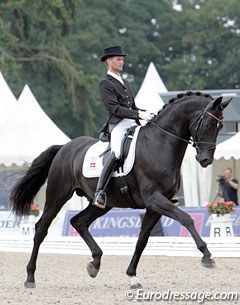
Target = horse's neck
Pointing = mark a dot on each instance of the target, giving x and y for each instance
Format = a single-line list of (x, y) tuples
[(173, 141), (175, 121), (157, 143)]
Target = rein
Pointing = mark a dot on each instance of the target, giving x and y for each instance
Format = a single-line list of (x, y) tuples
[(190, 141), (193, 141)]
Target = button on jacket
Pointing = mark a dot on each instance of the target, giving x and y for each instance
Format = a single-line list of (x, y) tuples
[(118, 99)]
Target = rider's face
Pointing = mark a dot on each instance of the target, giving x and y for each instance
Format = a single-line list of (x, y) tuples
[(115, 63)]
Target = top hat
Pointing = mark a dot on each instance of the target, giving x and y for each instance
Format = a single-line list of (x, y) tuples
[(112, 51)]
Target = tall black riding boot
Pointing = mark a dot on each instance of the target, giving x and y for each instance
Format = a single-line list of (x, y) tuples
[(108, 169)]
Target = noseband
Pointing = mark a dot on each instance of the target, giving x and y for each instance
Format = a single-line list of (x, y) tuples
[(199, 124)]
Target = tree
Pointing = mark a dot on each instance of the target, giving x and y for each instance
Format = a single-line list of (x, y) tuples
[(38, 35), (55, 46), (209, 47)]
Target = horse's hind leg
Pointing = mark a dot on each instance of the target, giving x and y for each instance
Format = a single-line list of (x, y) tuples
[(56, 196), (149, 221), (81, 222), (41, 229)]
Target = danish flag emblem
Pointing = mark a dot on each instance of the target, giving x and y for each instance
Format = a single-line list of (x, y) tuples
[(92, 165)]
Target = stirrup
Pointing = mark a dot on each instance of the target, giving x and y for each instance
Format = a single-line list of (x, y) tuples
[(100, 204), (175, 200)]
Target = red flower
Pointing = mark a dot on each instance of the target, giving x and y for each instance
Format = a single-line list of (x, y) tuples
[(220, 207), (34, 209)]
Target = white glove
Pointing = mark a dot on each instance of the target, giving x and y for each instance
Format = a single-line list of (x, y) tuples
[(145, 115)]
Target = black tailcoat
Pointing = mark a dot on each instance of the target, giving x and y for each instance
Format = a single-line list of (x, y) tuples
[(118, 99)]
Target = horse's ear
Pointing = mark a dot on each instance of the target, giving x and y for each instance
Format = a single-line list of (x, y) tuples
[(225, 103), (217, 102)]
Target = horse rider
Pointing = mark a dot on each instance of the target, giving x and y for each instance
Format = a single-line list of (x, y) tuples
[(123, 114)]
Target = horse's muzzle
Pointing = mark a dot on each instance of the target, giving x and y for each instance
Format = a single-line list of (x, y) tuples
[(205, 158)]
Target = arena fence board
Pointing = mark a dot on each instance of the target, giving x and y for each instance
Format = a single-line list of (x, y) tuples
[(160, 246)]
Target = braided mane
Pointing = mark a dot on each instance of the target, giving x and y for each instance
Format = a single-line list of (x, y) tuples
[(188, 93), (179, 98)]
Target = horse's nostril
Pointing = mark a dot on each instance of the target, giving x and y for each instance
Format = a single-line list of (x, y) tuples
[(205, 162)]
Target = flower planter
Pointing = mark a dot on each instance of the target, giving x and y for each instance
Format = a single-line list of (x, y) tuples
[(221, 226), (27, 227)]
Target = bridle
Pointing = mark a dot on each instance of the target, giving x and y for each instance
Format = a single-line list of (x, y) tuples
[(198, 123), (198, 129)]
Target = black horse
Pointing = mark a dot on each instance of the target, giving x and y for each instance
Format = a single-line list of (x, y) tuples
[(153, 181)]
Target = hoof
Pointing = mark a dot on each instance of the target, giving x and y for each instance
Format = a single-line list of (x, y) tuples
[(137, 286), (135, 283), (29, 284), (208, 262), (92, 271)]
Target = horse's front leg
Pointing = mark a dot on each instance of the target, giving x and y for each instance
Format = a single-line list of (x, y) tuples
[(149, 221), (163, 206), (187, 221), (81, 223)]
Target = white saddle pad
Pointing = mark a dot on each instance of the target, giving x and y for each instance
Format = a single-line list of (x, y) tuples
[(92, 163)]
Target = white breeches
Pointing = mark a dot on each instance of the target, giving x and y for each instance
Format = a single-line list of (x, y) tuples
[(118, 133)]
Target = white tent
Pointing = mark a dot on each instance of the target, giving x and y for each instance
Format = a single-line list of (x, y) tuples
[(148, 97), (7, 100), (196, 180), (229, 148), (27, 132)]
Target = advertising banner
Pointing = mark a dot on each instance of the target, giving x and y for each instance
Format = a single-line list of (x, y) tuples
[(120, 222), (11, 225), (117, 222), (127, 222)]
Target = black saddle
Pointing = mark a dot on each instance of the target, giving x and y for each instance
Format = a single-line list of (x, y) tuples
[(124, 148)]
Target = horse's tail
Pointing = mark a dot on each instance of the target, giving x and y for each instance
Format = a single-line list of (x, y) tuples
[(26, 188)]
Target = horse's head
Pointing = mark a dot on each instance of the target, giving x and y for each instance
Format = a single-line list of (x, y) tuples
[(204, 130)]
